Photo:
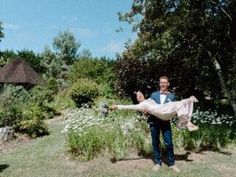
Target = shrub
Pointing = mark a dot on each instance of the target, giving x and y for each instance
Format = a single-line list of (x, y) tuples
[(13, 97), (101, 70), (62, 101), (33, 121), (84, 91), (24, 110), (11, 116), (41, 95)]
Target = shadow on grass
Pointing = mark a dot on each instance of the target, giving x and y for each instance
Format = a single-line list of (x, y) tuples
[(178, 157), (202, 150), (148, 155), (141, 155), (3, 167)]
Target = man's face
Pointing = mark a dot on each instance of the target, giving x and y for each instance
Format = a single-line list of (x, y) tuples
[(164, 83)]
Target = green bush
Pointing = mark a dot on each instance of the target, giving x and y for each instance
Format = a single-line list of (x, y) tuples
[(11, 116), (62, 101), (24, 110), (43, 96), (33, 121), (84, 91), (13, 97), (101, 70)]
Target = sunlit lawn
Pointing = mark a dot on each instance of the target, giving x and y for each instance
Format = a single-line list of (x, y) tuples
[(47, 157)]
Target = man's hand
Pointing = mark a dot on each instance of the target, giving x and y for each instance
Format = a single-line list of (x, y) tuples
[(145, 112)]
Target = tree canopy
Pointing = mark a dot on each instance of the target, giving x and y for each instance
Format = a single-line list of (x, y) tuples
[(1, 31), (66, 46), (193, 42)]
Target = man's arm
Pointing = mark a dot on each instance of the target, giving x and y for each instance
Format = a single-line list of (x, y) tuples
[(152, 96), (174, 97)]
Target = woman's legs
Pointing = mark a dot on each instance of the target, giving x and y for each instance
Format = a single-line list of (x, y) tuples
[(185, 113)]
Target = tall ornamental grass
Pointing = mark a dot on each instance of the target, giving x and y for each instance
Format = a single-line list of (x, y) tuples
[(90, 134)]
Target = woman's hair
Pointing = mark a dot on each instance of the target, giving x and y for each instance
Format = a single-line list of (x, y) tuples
[(135, 92)]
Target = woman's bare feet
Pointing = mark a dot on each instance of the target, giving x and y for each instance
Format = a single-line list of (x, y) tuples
[(191, 127), (194, 99)]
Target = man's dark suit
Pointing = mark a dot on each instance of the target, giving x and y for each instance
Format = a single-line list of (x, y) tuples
[(157, 126)]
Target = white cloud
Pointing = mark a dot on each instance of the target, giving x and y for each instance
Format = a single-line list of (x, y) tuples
[(114, 47), (69, 18), (10, 26)]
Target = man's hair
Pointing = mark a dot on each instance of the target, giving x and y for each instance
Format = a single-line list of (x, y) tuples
[(164, 77)]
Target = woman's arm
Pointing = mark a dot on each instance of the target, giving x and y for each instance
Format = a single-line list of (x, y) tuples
[(137, 107)]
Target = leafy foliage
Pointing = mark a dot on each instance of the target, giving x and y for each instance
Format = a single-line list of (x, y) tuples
[(84, 91), (193, 42), (90, 134), (11, 112), (33, 121), (26, 110), (66, 46), (99, 69), (34, 60), (1, 33)]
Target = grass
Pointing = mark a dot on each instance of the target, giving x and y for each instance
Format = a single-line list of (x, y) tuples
[(47, 157)]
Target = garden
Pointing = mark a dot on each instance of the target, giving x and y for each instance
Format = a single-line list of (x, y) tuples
[(59, 123)]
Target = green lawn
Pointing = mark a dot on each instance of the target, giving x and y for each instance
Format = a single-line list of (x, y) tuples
[(47, 157)]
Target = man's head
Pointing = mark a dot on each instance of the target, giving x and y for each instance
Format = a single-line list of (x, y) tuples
[(164, 83)]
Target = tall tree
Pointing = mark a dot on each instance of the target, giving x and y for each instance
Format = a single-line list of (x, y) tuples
[(191, 41), (1, 31), (66, 46)]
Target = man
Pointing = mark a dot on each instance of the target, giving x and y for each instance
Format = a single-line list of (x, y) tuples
[(157, 125)]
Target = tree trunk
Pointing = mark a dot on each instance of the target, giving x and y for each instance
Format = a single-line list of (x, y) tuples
[(231, 96)]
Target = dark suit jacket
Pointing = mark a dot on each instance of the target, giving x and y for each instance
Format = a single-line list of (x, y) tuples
[(156, 97)]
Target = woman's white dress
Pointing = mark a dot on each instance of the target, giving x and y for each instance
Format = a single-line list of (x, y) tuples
[(183, 109)]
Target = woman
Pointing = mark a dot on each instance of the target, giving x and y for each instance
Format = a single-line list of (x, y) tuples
[(183, 109)]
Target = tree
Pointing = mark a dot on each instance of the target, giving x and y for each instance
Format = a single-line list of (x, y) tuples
[(32, 59), (6, 56), (1, 33), (191, 41), (1, 36), (55, 67), (66, 46)]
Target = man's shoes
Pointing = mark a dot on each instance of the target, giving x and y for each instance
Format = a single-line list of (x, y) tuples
[(174, 168), (156, 168)]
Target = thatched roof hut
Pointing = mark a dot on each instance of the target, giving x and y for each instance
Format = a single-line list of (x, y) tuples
[(19, 72)]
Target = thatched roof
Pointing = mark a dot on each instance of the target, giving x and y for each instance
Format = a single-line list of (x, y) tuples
[(18, 72)]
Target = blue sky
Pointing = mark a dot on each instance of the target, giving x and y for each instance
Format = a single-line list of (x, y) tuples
[(32, 24)]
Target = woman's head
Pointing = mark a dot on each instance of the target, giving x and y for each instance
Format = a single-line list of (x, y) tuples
[(140, 97)]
